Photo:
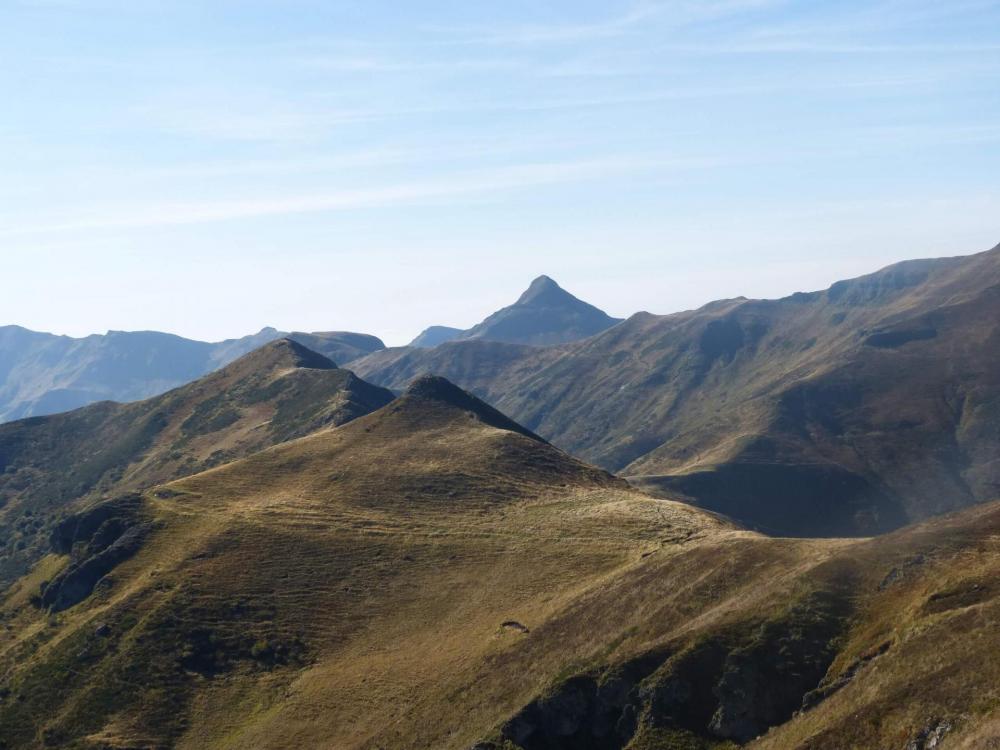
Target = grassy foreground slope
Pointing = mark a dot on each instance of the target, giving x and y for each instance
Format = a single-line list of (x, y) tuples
[(318, 592), (432, 575), (276, 393), (848, 411)]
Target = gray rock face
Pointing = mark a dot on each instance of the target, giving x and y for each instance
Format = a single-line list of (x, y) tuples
[(931, 736)]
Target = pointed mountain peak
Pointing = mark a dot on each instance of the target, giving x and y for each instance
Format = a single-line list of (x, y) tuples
[(544, 290), (437, 391), (544, 314)]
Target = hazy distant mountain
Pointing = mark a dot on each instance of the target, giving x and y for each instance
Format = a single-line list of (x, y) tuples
[(851, 410), (41, 373), (545, 314), (431, 337), (340, 346)]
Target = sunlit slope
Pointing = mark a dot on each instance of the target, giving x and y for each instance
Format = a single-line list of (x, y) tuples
[(306, 595), (278, 392), (432, 575), (788, 645)]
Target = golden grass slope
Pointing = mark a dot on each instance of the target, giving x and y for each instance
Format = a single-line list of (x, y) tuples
[(317, 592), (433, 576)]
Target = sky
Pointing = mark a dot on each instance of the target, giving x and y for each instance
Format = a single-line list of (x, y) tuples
[(210, 167)]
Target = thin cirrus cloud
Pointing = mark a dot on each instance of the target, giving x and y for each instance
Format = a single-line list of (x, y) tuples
[(250, 117), (455, 187), (673, 14)]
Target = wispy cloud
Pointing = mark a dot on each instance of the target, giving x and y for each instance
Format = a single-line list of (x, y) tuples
[(661, 14), (459, 186), (95, 6)]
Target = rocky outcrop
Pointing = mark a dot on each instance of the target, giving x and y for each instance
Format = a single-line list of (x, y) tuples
[(931, 736), (763, 683), (731, 686), (831, 686), (98, 540), (598, 711)]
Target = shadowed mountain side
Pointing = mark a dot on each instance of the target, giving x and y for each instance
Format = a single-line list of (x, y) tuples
[(487, 368), (874, 400), (278, 392), (455, 584)]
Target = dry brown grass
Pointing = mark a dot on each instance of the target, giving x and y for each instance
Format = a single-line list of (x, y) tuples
[(380, 559)]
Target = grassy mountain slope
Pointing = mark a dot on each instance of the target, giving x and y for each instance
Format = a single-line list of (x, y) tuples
[(276, 393), (432, 575), (316, 593), (847, 411)]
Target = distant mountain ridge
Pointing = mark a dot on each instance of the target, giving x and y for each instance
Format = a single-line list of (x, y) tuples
[(42, 373), (543, 315)]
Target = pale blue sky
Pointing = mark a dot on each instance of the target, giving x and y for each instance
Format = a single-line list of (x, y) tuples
[(208, 167)]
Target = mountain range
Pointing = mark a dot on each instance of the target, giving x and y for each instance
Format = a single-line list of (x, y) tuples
[(764, 524), (878, 395), (41, 373), (44, 374)]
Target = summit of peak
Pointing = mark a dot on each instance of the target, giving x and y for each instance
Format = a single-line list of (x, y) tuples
[(282, 354), (543, 289), (434, 389)]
